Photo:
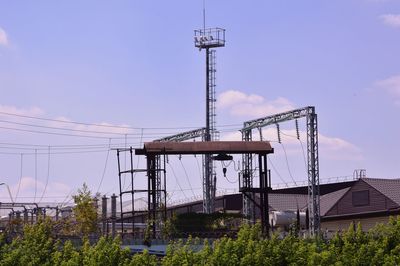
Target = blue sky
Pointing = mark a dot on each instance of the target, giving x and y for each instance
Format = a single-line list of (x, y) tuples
[(133, 63)]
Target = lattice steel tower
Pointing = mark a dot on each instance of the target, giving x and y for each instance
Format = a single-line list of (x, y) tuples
[(208, 39)]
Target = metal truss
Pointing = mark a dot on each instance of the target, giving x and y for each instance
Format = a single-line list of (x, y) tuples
[(208, 169), (247, 162), (196, 133), (312, 157)]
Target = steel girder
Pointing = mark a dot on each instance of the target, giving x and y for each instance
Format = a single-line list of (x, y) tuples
[(312, 157)]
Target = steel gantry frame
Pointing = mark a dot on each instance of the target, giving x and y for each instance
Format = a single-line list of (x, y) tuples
[(130, 214), (192, 134), (312, 160), (260, 148)]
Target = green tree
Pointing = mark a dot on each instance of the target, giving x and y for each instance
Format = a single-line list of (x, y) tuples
[(35, 247), (67, 256), (143, 259), (106, 252), (85, 211)]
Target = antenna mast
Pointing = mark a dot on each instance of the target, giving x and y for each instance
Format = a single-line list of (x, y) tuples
[(208, 39)]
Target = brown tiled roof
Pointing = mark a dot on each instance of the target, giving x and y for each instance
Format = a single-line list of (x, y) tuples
[(388, 187), (327, 201)]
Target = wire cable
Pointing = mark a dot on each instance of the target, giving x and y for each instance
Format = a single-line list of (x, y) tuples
[(90, 124), (34, 198), (226, 166), (53, 153), (106, 125), (125, 153), (200, 171), (74, 135), (176, 179), (48, 175), (287, 164), (276, 171), (301, 144), (105, 167), (187, 177), (66, 129), (20, 177)]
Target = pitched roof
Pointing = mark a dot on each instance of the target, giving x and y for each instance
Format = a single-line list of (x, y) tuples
[(327, 201), (388, 187), (287, 202)]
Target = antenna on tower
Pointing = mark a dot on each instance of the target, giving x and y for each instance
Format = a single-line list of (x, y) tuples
[(208, 39), (204, 15)]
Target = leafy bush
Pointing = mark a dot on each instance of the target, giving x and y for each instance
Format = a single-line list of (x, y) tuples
[(379, 246)]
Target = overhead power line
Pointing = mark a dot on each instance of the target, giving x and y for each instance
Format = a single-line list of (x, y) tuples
[(74, 135), (108, 126), (90, 124)]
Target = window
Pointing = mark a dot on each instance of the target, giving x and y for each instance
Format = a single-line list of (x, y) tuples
[(360, 198)]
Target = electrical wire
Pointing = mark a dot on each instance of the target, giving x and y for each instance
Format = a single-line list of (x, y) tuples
[(287, 164), (66, 129), (200, 171), (137, 161), (302, 148), (74, 135), (105, 167), (48, 175), (176, 179), (276, 171), (89, 124), (226, 166), (20, 177), (125, 153), (105, 125), (65, 152), (187, 177), (54, 133), (34, 199), (66, 197), (71, 146)]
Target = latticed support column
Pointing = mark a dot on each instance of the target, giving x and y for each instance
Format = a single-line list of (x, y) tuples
[(313, 173)]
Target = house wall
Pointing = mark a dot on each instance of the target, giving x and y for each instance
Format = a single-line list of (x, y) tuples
[(329, 228), (377, 201)]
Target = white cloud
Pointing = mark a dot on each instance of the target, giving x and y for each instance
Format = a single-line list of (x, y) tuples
[(392, 20), (392, 86), (331, 148), (32, 111), (253, 105), (232, 97), (108, 129), (27, 188), (3, 37), (105, 127)]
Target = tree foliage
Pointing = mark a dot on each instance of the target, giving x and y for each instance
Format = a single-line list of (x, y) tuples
[(85, 211), (379, 246)]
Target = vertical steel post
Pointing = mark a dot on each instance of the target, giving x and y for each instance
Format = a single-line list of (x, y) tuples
[(247, 174), (207, 178), (151, 196), (120, 194), (25, 216), (58, 213), (313, 173), (18, 219), (132, 194), (267, 186), (104, 214), (113, 214)]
